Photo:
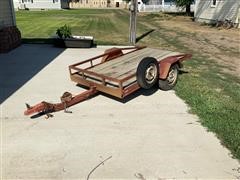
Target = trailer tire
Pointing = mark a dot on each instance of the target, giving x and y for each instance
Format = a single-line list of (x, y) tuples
[(171, 80), (147, 72)]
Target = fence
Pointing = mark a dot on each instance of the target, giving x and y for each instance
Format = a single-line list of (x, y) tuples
[(165, 8)]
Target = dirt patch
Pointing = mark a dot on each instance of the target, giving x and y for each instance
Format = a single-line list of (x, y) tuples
[(221, 45)]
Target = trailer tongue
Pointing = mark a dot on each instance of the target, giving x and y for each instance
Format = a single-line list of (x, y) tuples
[(66, 101), (118, 72)]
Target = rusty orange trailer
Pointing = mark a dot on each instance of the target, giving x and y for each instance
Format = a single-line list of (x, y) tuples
[(119, 72)]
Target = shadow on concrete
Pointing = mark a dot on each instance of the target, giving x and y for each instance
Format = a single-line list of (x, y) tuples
[(21, 64), (139, 92)]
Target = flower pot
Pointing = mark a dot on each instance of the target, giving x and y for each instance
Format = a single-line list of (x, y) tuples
[(79, 42), (59, 42)]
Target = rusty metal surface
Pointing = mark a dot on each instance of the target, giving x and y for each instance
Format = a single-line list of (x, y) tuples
[(67, 101), (112, 53), (98, 82), (133, 49), (118, 87), (165, 64), (117, 92)]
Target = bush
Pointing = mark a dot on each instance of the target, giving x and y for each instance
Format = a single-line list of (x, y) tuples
[(64, 32)]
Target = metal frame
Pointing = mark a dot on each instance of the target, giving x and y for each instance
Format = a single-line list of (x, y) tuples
[(47, 108), (117, 88), (80, 75)]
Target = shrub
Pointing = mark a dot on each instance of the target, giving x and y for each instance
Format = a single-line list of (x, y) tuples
[(64, 32)]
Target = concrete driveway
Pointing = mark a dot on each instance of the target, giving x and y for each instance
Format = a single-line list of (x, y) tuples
[(151, 135)]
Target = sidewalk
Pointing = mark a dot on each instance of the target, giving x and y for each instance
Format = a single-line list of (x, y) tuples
[(152, 135)]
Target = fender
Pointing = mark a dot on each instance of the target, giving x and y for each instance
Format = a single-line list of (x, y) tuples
[(111, 54), (165, 64), (114, 52)]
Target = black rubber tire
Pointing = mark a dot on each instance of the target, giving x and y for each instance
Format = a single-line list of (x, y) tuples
[(143, 66), (165, 84)]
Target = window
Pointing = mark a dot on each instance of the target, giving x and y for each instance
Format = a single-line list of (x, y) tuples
[(27, 1), (55, 1), (214, 3)]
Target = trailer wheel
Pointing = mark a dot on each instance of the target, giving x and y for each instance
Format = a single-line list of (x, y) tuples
[(147, 72), (171, 80)]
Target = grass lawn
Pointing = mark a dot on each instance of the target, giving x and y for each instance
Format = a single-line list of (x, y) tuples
[(209, 87), (105, 25)]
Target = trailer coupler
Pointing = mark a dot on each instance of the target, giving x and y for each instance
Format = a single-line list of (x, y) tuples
[(67, 100)]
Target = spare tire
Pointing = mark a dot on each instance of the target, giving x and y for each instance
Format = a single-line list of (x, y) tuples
[(147, 72)]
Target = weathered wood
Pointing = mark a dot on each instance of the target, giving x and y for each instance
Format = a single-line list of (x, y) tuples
[(133, 57), (126, 71), (126, 65), (117, 77), (118, 61)]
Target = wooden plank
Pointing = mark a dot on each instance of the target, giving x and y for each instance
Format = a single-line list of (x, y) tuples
[(119, 60), (123, 74), (126, 65), (129, 61), (131, 68)]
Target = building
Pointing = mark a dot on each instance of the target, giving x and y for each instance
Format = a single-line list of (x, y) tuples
[(10, 36), (164, 6), (212, 11), (89, 4), (41, 4), (97, 4)]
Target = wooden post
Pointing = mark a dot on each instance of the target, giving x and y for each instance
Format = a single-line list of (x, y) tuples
[(133, 21)]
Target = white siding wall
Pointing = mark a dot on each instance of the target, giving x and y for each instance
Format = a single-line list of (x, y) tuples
[(224, 9), (238, 18), (6, 14), (16, 4), (38, 4)]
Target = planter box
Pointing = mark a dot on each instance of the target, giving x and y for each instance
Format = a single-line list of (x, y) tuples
[(79, 42), (59, 43)]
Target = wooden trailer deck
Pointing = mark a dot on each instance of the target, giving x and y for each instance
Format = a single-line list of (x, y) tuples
[(117, 76), (126, 65)]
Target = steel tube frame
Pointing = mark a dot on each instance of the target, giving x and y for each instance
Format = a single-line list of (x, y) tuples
[(118, 90)]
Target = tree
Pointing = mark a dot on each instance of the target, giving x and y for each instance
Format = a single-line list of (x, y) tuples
[(145, 1), (186, 4)]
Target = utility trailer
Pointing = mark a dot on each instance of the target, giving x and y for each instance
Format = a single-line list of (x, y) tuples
[(119, 72)]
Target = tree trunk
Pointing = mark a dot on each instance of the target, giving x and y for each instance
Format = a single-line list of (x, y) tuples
[(188, 9)]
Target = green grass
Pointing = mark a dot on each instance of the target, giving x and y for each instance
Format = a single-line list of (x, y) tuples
[(105, 25), (212, 94), (215, 97)]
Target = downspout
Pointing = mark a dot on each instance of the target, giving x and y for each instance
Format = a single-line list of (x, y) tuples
[(195, 9), (13, 13), (238, 16)]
